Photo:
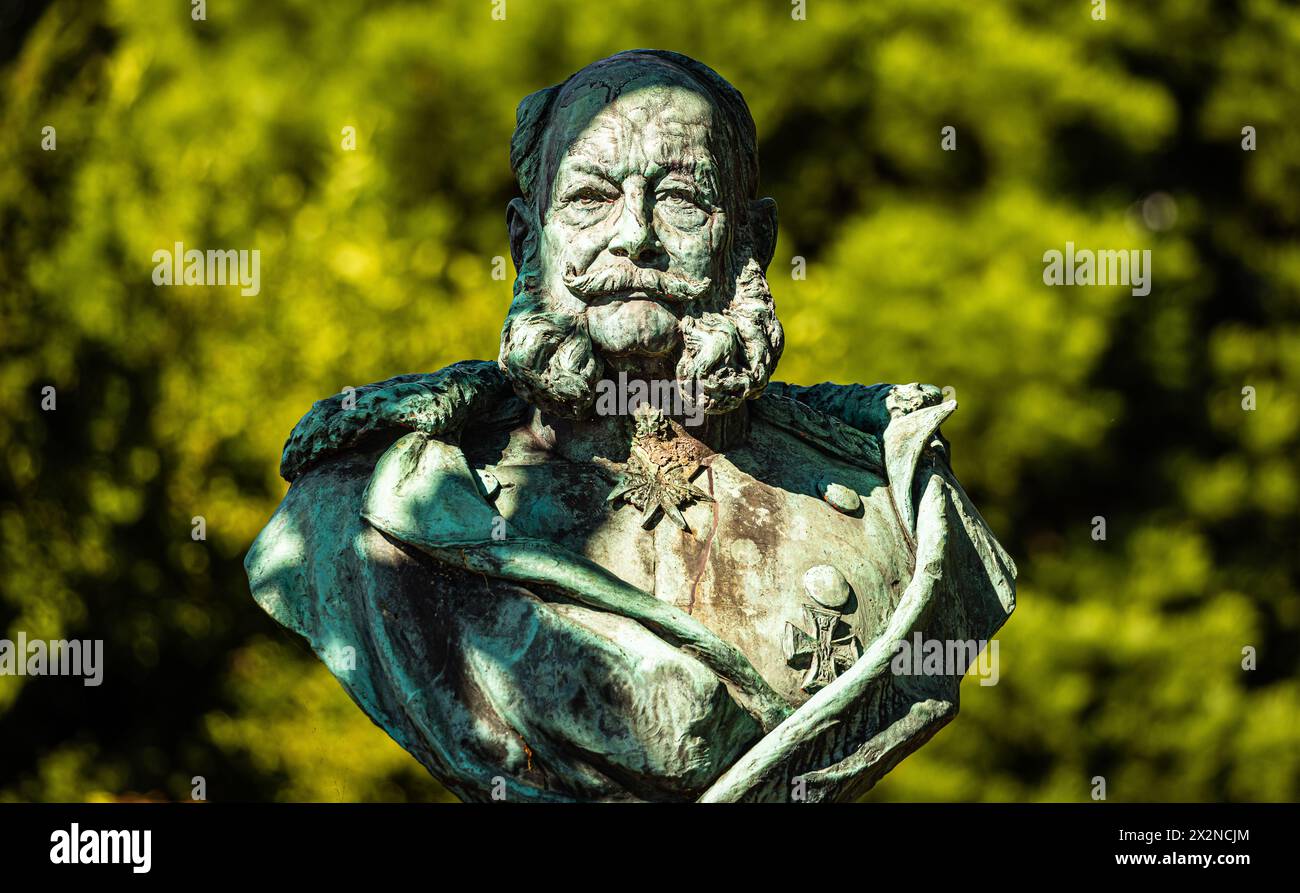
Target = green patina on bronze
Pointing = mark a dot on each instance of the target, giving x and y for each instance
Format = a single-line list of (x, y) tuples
[(476, 554)]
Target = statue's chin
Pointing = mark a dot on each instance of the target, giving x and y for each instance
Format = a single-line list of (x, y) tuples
[(633, 327)]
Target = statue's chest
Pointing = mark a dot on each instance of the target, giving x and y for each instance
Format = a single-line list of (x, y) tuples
[(799, 585)]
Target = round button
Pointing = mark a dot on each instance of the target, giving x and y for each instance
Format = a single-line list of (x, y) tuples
[(826, 586), (842, 498)]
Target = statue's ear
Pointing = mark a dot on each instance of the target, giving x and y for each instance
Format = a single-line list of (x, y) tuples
[(521, 226), (762, 222)]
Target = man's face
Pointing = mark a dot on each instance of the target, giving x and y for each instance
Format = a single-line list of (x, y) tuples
[(634, 231)]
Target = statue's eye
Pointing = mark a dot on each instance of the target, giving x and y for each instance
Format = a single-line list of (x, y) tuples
[(680, 207), (589, 197), (678, 197)]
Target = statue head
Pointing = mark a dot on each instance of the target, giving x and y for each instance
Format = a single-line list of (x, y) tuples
[(639, 241)]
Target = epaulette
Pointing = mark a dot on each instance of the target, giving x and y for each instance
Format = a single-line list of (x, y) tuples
[(434, 403), (844, 420)]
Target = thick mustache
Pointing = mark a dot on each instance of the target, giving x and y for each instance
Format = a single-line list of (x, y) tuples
[(613, 280)]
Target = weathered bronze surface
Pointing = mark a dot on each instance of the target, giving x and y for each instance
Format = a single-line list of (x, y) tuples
[(541, 601)]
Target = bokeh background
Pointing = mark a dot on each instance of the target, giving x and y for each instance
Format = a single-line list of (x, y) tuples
[(1124, 657)]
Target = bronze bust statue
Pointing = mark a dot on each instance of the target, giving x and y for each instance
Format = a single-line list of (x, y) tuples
[(549, 581)]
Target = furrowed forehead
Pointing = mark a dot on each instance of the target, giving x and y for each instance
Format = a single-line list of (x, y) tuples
[(659, 121), (664, 128), (550, 121)]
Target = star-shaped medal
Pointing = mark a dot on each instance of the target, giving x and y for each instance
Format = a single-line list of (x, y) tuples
[(657, 476)]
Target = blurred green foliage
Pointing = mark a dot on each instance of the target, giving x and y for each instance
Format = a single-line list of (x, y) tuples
[(1124, 657)]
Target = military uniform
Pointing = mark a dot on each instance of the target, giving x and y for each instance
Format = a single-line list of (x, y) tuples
[(479, 595)]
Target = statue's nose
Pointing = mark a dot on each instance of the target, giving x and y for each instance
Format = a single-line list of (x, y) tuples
[(635, 238)]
